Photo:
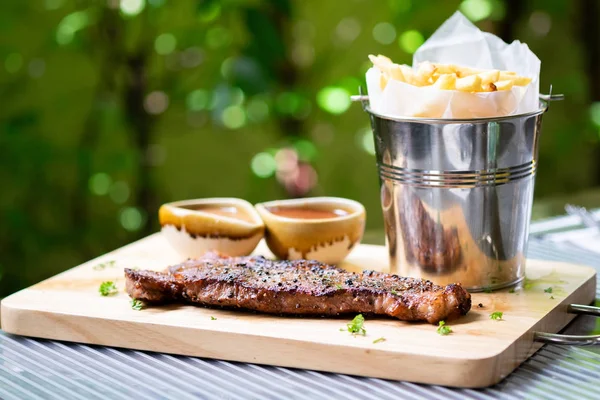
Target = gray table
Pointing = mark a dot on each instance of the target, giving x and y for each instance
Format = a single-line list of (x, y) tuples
[(46, 369)]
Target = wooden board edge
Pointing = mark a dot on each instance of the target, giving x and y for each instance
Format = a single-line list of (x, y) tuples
[(80, 329), (555, 321)]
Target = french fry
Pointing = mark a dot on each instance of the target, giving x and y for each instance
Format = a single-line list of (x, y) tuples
[(503, 85), (381, 62), (462, 72), (396, 73), (444, 68), (384, 60), (507, 75), (445, 82), (521, 81), (489, 76), (488, 87), (424, 73), (471, 83), (409, 74), (447, 76), (383, 80)]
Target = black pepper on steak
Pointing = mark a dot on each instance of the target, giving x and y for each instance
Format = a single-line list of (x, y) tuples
[(297, 287)]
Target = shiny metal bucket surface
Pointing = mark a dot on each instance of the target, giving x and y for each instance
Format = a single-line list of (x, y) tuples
[(457, 195)]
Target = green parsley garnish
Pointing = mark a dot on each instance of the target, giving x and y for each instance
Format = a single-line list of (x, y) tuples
[(393, 292), (511, 290), (103, 265), (108, 288), (443, 329), (356, 326), (548, 290), (551, 297), (212, 318), (338, 286), (497, 315), (137, 304), (381, 339)]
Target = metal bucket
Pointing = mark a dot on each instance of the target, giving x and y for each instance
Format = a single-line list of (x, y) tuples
[(457, 195)]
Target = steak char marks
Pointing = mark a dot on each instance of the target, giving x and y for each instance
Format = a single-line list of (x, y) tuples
[(298, 288)]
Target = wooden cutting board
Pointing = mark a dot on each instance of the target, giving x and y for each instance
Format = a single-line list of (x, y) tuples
[(479, 352)]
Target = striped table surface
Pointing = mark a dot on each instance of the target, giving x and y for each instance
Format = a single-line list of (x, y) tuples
[(47, 369)]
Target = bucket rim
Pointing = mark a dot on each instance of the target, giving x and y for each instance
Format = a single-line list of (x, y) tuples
[(445, 121)]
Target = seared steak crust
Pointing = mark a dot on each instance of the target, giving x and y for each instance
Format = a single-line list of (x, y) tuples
[(297, 287)]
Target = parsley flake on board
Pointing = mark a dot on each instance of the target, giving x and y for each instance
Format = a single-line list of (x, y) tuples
[(137, 304), (381, 339), (443, 329), (212, 318), (103, 265), (108, 288), (548, 290), (355, 327), (551, 297), (497, 315), (511, 290)]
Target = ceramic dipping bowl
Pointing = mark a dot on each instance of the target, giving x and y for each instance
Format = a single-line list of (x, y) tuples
[(229, 226), (318, 228)]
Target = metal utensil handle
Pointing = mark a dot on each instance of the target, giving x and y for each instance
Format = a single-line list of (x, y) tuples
[(575, 340), (545, 97)]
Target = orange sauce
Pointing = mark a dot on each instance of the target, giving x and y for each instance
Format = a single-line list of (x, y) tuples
[(307, 213), (224, 211)]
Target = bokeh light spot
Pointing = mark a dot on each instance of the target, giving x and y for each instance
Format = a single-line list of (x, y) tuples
[(197, 100), (131, 8), (334, 100), (234, 117), (410, 41), (119, 192), (347, 30), (36, 68), (400, 6), (165, 44), (384, 33), (227, 67), (54, 4), (303, 54), (156, 155), (365, 140), (13, 62), (540, 23), (156, 102), (69, 25), (476, 10), (595, 113), (263, 165), (236, 96), (257, 110), (99, 184), (306, 150), (209, 11), (131, 218), (217, 37), (191, 57)]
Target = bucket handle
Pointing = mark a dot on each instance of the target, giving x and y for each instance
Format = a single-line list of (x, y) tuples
[(574, 340)]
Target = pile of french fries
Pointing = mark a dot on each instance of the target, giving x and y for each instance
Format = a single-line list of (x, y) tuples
[(447, 76)]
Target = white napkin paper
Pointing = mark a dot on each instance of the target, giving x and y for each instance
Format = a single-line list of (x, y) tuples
[(460, 42)]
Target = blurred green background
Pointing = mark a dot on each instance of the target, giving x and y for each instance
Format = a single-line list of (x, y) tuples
[(112, 107)]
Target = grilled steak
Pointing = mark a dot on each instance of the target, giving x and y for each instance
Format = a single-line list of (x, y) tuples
[(299, 288)]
